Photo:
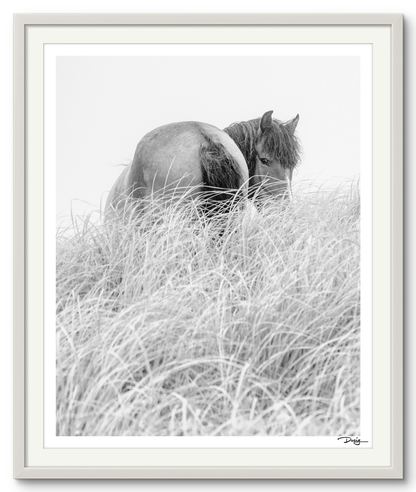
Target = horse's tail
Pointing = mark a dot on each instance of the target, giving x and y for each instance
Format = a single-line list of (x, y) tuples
[(221, 173)]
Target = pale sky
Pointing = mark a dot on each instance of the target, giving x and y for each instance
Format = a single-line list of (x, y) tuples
[(105, 105)]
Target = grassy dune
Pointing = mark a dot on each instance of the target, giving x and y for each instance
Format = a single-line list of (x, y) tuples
[(249, 325)]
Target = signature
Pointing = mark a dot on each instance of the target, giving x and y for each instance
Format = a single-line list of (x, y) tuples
[(355, 440)]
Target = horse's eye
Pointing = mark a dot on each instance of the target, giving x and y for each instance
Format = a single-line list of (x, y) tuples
[(264, 161)]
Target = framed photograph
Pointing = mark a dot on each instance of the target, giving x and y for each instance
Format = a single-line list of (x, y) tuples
[(208, 246)]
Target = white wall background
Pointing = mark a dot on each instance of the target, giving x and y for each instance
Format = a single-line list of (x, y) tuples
[(7, 8)]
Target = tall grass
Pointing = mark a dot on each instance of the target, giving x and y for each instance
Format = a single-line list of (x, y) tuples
[(249, 324)]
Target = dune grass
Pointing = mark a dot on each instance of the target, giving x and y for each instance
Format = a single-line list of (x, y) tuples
[(249, 324)]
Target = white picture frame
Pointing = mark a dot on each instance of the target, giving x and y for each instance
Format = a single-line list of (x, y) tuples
[(384, 459)]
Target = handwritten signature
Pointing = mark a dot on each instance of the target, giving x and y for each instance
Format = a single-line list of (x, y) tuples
[(355, 440)]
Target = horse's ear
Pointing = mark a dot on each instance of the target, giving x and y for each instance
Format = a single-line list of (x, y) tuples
[(266, 121), (292, 124)]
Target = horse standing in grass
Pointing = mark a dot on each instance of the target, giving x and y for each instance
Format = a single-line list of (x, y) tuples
[(199, 159)]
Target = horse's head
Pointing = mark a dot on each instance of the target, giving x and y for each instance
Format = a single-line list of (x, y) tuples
[(277, 153)]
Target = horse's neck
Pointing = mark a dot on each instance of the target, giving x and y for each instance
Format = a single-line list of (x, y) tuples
[(244, 135)]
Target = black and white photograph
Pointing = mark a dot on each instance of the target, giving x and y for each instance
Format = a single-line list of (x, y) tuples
[(208, 221), (208, 244)]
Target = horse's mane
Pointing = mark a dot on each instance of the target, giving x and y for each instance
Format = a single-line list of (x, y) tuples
[(244, 135), (280, 141)]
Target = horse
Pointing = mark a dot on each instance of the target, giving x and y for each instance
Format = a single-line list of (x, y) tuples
[(255, 158)]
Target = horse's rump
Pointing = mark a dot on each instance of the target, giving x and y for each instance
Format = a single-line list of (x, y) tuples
[(224, 178), (179, 161)]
